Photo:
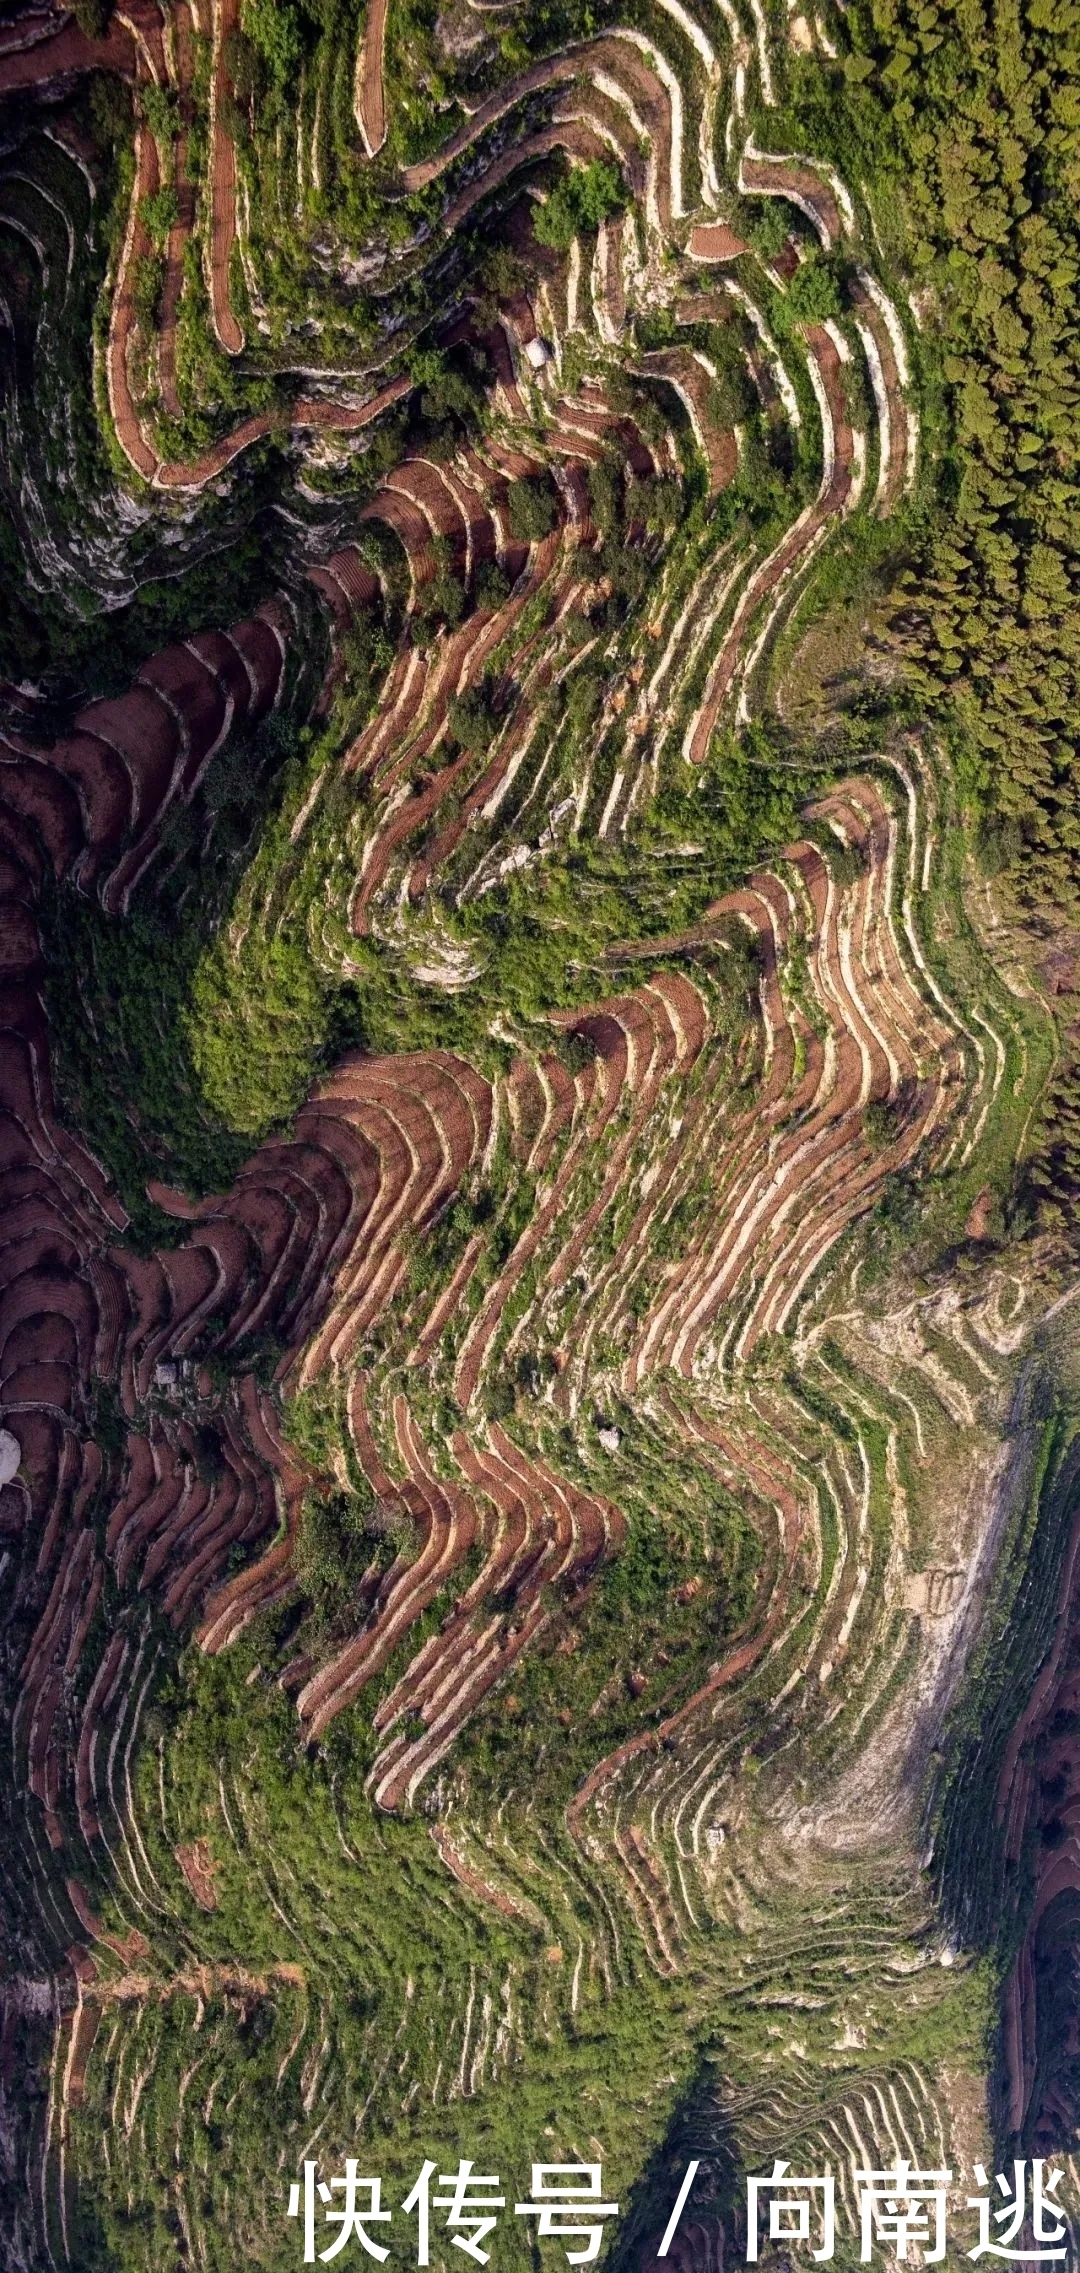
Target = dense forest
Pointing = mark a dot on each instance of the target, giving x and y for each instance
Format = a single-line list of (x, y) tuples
[(984, 102)]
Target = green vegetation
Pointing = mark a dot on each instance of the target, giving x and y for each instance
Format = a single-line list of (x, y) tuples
[(160, 213), (986, 1893), (448, 390), (441, 601), (1049, 1180), (531, 510), (160, 110), (218, 1060), (473, 718), (640, 1903), (584, 197), (282, 1031), (92, 17), (812, 296), (274, 28), (655, 1619), (768, 223), (981, 109)]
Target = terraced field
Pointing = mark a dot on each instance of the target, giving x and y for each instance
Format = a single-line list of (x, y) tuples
[(538, 1404)]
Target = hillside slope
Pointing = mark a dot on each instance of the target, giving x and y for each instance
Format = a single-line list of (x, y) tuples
[(538, 1399)]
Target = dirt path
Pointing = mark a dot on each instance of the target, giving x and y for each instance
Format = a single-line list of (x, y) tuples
[(308, 413), (181, 230), (222, 185), (896, 429), (137, 246), (571, 64), (370, 84), (60, 55)]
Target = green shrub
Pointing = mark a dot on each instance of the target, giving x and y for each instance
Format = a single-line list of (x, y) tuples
[(492, 587), (446, 390), (605, 495), (473, 721), (160, 213), (983, 108), (881, 1124), (110, 110), (274, 29), (252, 1046), (501, 274), (339, 1536), (813, 295), (584, 695), (770, 226), (584, 197), (160, 110), (147, 279), (92, 17), (532, 511), (625, 567), (655, 499), (442, 598)]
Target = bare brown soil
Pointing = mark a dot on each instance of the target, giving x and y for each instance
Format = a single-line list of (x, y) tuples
[(180, 233), (371, 113), (197, 1864), (713, 240), (122, 321), (45, 50), (222, 184)]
